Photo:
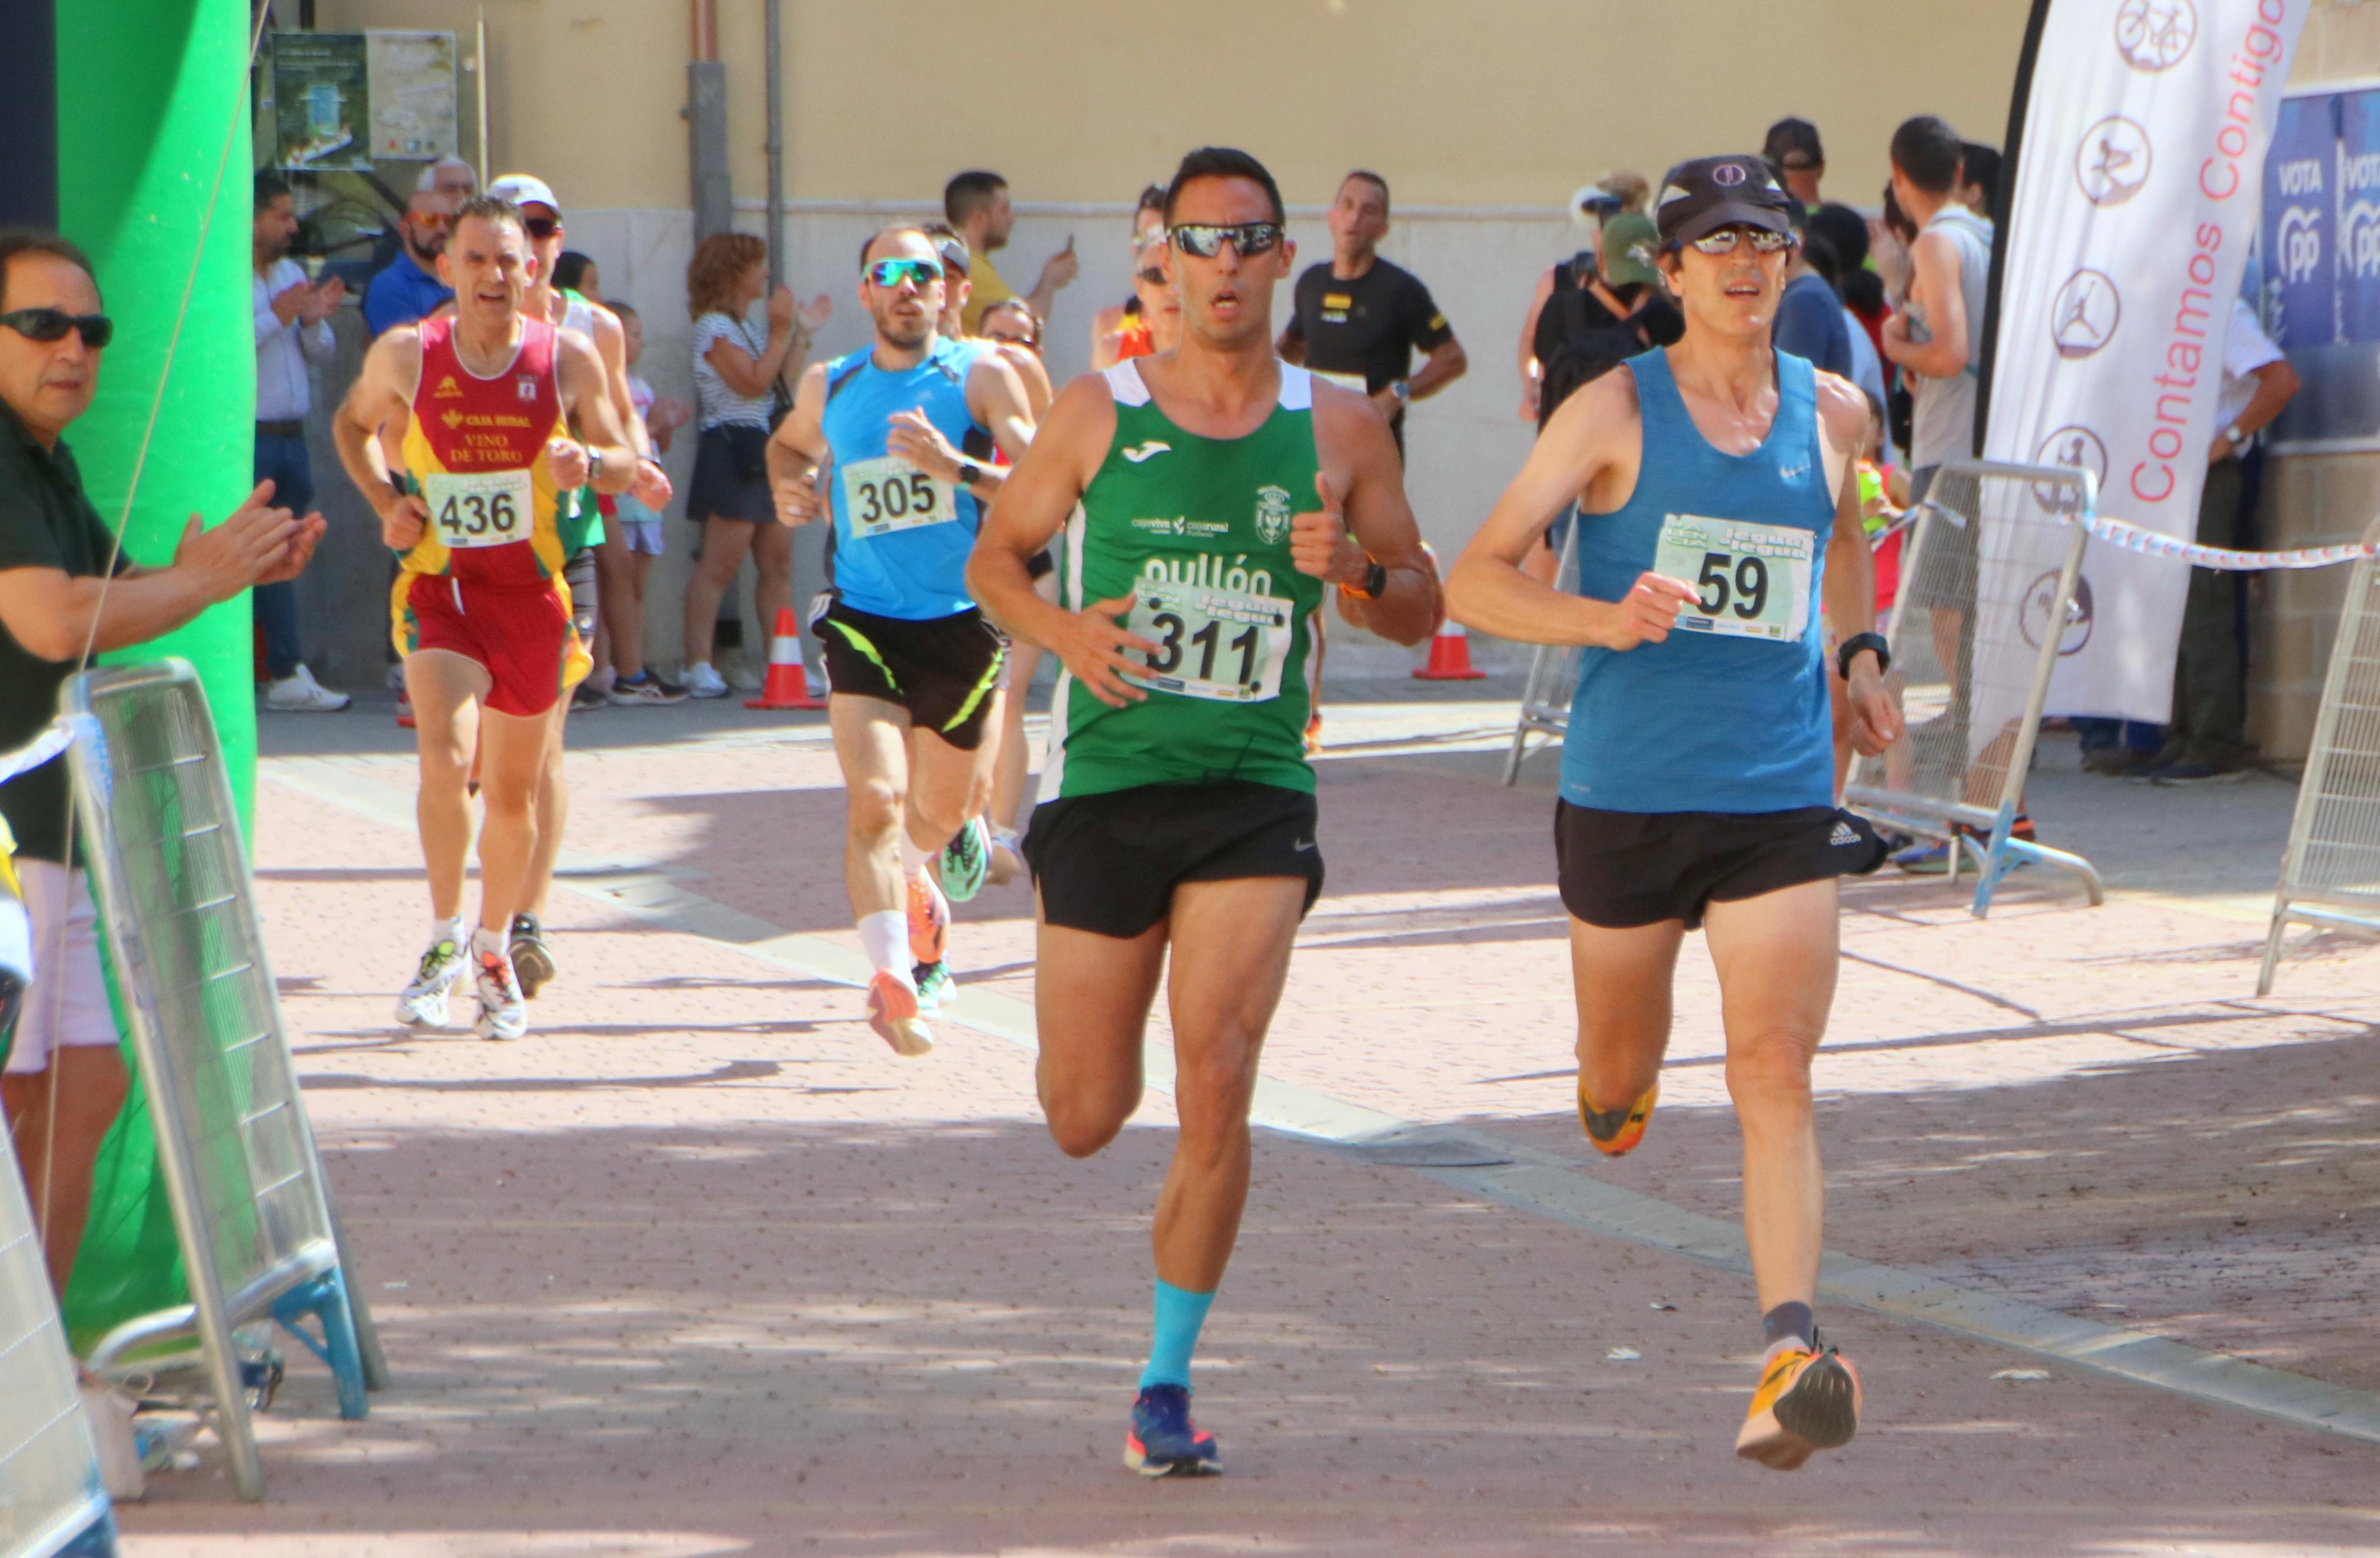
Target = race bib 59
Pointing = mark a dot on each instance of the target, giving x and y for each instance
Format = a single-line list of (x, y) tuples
[(889, 493), (1754, 580), (478, 508)]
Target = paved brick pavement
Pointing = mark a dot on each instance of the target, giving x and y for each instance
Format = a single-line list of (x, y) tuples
[(701, 1269)]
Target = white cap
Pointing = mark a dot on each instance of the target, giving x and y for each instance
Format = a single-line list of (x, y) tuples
[(525, 188)]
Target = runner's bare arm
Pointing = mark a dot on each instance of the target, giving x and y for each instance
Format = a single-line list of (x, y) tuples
[(1042, 492), (1588, 447), (1363, 518), (796, 450), (381, 397), (600, 455), (1850, 566)]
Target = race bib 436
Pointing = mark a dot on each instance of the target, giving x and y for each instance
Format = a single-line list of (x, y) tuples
[(1754, 580), (478, 508)]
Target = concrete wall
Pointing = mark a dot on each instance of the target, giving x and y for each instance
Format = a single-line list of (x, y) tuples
[(1485, 119), (1514, 101)]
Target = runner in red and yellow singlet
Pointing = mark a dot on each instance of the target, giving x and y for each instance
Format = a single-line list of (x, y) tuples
[(487, 399)]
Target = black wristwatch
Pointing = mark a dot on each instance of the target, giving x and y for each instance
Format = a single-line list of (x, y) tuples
[(1376, 582), (1857, 642), (969, 473)]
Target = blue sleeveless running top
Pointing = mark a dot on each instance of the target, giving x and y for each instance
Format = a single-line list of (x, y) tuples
[(901, 539), (1710, 721)]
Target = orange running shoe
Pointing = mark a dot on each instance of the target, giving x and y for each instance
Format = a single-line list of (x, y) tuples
[(1615, 1131), (1808, 1401), (892, 1013), (929, 918)]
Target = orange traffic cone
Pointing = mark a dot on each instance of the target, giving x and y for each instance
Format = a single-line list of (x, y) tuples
[(1450, 657), (787, 687)]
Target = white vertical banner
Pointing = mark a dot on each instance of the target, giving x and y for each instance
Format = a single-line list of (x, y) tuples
[(2139, 173)]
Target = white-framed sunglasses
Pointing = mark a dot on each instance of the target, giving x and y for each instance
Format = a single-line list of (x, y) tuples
[(1723, 241)]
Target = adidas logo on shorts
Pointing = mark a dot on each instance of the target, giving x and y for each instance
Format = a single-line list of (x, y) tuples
[(1844, 834)]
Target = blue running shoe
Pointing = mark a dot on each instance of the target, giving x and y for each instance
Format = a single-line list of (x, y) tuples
[(965, 861), (1163, 1442)]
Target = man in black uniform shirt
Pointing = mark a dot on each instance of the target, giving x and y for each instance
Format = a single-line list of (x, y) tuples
[(1359, 320)]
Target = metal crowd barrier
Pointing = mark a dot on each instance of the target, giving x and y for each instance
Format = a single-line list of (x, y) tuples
[(259, 1238), (52, 1505), (1988, 583), (2330, 872), (1553, 675)]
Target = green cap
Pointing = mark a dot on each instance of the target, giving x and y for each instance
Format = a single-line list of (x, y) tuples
[(1629, 241)]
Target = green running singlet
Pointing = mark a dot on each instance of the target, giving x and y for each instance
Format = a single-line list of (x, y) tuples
[(1198, 530)]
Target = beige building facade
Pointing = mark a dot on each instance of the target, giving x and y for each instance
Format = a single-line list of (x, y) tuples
[(1484, 117)]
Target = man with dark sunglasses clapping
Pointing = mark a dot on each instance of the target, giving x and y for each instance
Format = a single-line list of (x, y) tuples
[(66, 592)]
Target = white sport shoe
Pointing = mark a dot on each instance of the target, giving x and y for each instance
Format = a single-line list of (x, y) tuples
[(503, 1013), (299, 692), (701, 681), (423, 1003)]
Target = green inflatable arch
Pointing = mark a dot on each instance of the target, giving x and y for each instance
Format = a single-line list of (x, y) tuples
[(154, 155)]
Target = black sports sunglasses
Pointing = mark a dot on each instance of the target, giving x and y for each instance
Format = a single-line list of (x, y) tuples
[(52, 325)]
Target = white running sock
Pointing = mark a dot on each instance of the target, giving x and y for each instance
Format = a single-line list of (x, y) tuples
[(911, 856), (886, 937), (448, 931), (486, 942)]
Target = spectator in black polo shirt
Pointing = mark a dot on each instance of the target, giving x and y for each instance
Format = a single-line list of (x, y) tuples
[(1359, 320), (56, 609)]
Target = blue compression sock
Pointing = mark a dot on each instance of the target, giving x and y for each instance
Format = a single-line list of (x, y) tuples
[(1180, 1313)]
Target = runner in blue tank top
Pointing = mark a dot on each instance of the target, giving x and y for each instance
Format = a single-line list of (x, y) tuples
[(1718, 508), (878, 441)]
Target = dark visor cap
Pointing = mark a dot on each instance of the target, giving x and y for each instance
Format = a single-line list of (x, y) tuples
[(1699, 198)]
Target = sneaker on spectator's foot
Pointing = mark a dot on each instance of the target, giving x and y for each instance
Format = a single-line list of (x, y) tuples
[(701, 681), (644, 689), (2114, 762), (299, 692), (2195, 773), (587, 695)]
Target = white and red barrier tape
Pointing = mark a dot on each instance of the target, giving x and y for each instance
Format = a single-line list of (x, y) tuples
[(2154, 543)]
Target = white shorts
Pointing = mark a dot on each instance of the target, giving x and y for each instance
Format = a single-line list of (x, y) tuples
[(66, 1001)]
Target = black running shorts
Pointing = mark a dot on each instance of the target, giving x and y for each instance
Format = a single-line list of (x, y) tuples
[(1109, 863), (944, 670), (1624, 869)]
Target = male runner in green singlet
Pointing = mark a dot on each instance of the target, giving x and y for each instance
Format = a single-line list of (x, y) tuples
[(1221, 494)]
